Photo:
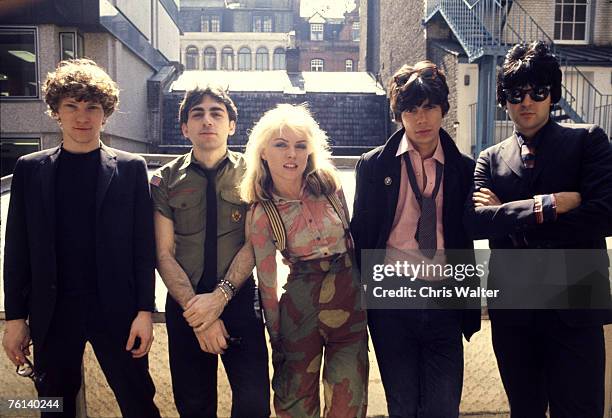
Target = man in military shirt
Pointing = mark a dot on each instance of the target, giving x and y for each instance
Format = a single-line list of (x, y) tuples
[(199, 228)]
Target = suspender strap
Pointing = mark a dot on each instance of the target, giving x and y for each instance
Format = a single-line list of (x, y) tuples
[(334, 200), (278, 227)]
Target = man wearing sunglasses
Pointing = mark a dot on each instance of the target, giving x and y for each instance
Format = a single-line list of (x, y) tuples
[(544, 190)]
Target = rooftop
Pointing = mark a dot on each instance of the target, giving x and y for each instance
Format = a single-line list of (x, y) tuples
[(282, 81)]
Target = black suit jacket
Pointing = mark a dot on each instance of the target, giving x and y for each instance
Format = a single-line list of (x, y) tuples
[(569, 158), (376, 201), (125, 249)]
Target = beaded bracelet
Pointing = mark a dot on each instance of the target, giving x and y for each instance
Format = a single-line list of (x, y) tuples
[(224, 293), (230, 285)]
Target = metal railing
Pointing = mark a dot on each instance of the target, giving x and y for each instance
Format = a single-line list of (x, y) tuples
[(490, 27)]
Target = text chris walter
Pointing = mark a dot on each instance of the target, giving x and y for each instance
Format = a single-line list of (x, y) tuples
[(431, 292)]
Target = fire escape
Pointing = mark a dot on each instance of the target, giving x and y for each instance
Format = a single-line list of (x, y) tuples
[(486, 29)]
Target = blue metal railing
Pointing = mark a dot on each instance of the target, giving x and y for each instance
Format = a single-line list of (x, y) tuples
[(490, 27)]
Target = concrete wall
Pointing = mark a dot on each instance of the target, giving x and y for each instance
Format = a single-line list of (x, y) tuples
[(602, 34), (465, 134), (139, 13), (167, 34), (131, 74), (402, 39), (448, 63)]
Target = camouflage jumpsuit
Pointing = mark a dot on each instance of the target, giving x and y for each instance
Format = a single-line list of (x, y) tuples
[(319, 318)]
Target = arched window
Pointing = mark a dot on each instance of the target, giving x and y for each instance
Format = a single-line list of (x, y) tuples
[(262, 61), (191, 58), (244, 59), (210, 58), (227, 59), (316, 64), (279, 59)]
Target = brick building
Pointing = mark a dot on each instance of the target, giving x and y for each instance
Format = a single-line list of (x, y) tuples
[(328, 44)]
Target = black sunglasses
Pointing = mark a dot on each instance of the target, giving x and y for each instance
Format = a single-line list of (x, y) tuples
[(429, 72), (537, 94)]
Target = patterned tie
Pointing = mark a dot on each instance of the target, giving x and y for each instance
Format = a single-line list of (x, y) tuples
[(527, 152), (426, 234)]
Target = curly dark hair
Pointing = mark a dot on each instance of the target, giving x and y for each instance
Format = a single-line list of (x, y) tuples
[(83, 80), (194, 97), (533, 64), (410, 86)]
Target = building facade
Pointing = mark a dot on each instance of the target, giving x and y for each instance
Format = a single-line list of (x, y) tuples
[(236, 36), (329, 44), (135, 42), (469, 40)]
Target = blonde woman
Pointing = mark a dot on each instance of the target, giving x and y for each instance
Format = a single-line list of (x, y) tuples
[(299, 210)]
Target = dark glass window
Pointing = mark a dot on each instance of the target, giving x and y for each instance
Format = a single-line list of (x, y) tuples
[(18, 56), (11, 149)]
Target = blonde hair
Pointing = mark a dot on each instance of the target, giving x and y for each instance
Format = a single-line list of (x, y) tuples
[(320, 175)]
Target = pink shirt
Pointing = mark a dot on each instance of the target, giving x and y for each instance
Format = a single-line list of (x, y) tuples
[(407, 211)]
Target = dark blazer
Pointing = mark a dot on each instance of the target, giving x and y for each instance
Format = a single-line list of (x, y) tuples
[(125, 249), (376, 201), (569, 158)]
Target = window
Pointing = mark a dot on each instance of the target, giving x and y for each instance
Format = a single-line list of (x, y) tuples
[(262, 60), (316, 31), (191, 58), (571, 20), (262, 23), (12, 149), (210, 58), (279, 59), (18, 55), (348, 65), (227, 59), (211, 23), (244, 59), (356, 29), (316, 64), (71, 45)]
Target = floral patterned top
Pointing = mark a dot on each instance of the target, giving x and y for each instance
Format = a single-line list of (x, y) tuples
[(314, 230)]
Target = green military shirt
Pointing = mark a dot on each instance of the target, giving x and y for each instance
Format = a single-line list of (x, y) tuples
[(179, 194)]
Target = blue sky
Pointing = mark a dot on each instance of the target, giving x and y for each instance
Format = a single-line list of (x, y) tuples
[(333, 8)]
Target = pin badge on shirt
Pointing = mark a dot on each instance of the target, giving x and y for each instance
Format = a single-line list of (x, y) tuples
[(236, 215), (388, 181)]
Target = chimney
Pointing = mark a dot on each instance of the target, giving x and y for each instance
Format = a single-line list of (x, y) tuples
[(293, 60)]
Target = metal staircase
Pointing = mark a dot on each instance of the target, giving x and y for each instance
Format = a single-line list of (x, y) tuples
[(486, 29)]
